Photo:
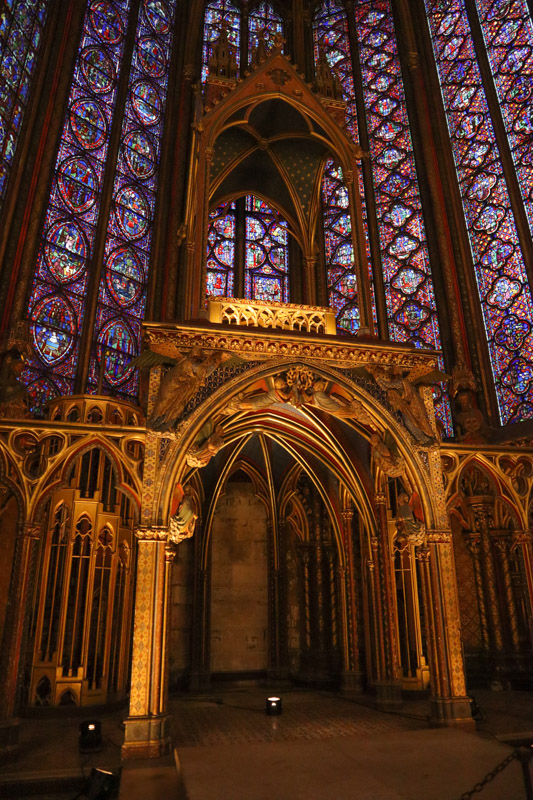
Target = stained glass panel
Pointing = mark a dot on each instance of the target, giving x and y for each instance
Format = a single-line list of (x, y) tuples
[(217, 13), (262, 19), (330, 30), (21, 28), (122, 291), (508, 31), (500, 271), (221, 251), (266, 268), (57, 302)]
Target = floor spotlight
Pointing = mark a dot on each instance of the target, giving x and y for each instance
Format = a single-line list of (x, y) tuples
[(273, 707), (90, 736)]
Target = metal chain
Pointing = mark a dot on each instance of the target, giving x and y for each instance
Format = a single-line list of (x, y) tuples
[(478, 787)]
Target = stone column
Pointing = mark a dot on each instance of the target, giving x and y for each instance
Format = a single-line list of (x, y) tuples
[(483, 508), (450, 704), (351, 678), (147, 726), (474, 548), (502, 546), (389, 687), (524, 540), (15, 633)]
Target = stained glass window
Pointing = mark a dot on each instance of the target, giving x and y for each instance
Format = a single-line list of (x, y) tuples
[(500, 271), (218, 13), (221, 251), (266, 273), (263, 19), (508, 30), (21, 29), (342, 285), (57, 303), (122, 292), (330, 30)]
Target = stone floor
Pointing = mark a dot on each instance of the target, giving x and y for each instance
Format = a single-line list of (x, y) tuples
[(323, 747)]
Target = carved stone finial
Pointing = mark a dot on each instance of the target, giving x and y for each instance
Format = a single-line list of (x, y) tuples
[(14, 349), (260, 52)]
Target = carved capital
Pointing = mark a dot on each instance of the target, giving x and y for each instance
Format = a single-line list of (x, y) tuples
[(439, 537), (156, 533), (29, 530)]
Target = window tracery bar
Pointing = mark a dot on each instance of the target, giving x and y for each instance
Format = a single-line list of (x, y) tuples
[(21, 29), (498, 261), (266, 269), (217, 13), (122, 290), (409, 292), (221, 251), (56, 307), (330, 30), (508, 31), (263, 19)]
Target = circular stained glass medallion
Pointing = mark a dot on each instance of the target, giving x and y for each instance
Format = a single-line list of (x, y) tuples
[(53, 328), (146, 102), (140, 154), (88, 123), (77, 184), (124, 276), (157, 14), (117, 346), (98, 69), (152, 57), (65, 251), (131, 212), (106, 21)]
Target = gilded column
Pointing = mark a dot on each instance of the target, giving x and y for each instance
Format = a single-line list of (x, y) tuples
[(473, 545), (15, 632), (351, 679), (423, 556), (450, 704), (147, 726), (307, 600), (377, 613)]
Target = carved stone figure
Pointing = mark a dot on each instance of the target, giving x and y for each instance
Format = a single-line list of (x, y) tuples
[(203, 451), (181, 383), (183, 522), (470, 421), (391, 464), (409, 529), (403, 395), (13, 393), (338, 406)]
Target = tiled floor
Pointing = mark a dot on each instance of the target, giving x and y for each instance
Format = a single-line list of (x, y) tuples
[(239, 717)]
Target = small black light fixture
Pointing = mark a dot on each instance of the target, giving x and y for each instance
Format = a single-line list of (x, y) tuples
[(273, 706), (90, 736)]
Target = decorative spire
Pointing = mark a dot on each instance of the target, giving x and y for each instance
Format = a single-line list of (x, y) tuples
[(327, 83), (223, 61), (260, 53)]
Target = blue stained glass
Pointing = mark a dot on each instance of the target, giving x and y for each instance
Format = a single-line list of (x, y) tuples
[(266, 275), (262, 19), (57, 302), (218, 13), (512, 69), (500, 271), (21, 28), (122, 290)]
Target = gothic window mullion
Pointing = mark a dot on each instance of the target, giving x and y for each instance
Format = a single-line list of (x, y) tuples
[(240, 246), (523, 226), (368, 186)]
